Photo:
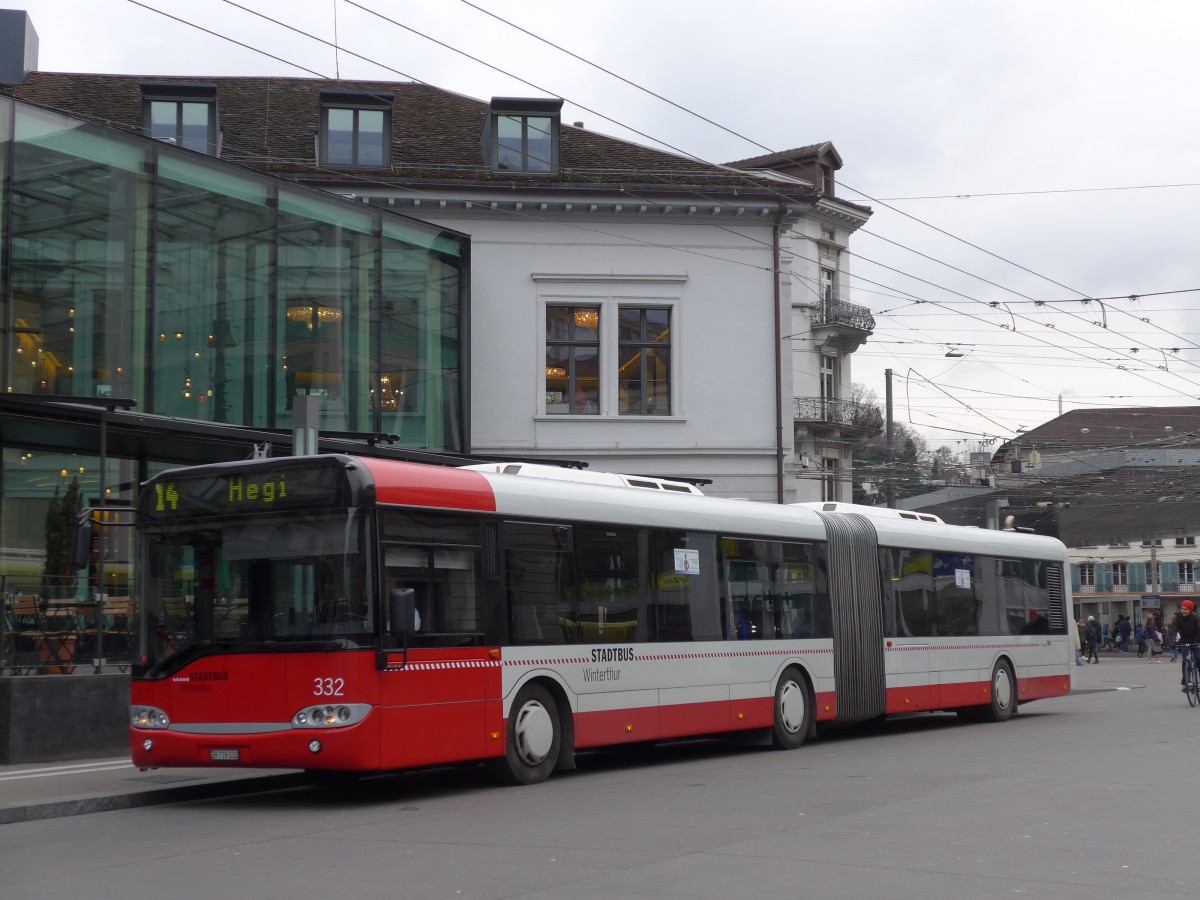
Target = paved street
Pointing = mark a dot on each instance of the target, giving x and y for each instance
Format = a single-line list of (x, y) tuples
[(1076, 797)]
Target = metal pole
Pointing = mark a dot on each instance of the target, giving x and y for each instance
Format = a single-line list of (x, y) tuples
[(306, 416), (101, 594), (889, 457)]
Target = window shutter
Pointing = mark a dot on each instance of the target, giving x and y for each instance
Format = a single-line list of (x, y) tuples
[(1169, 574), (1137, 576)]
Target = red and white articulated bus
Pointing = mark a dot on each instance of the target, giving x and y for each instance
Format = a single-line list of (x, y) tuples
[(342, 614)]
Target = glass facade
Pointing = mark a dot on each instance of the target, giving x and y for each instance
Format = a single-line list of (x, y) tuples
[(135, 269)]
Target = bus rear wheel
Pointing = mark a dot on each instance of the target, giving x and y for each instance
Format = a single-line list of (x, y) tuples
[(534, 736), (1004, 697), (793, 711)]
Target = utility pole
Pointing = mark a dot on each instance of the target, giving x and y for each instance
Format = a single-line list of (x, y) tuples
[(889, 454)]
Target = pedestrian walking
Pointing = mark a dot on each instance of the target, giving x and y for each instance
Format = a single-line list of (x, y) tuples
[(1124, 630), (1153, 641), (1093, 639), (1080, 640)]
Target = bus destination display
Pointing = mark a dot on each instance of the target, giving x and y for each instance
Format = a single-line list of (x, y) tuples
[(244, 492)]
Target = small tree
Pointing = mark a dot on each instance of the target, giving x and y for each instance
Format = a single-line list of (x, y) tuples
[(60, 523), (904, 473)]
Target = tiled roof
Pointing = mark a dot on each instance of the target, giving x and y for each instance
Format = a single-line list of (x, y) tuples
[(1116, 427), (271, 124), (769, 160)]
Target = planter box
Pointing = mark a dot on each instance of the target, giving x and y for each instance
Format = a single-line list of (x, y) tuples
[(69, 717), (56, 656)]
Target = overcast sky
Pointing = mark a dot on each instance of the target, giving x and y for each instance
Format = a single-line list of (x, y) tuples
[(1058, 138)]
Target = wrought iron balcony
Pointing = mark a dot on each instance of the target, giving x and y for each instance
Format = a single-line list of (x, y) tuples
[(843, 413), (837, 314)]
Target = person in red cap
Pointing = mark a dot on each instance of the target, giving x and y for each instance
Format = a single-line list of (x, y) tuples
[(1186, 627), (1036, 624)]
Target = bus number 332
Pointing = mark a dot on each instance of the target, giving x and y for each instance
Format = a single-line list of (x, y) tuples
[(328, 687)]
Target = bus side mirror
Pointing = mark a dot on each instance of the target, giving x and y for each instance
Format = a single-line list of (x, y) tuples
[(402, 612), (81, 541)]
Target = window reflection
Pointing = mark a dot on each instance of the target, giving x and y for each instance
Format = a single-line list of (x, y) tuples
[(572, 360)]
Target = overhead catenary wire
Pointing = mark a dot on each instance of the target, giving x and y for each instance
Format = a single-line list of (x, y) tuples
[(1091, 190), (501, 70), (1084, 296)]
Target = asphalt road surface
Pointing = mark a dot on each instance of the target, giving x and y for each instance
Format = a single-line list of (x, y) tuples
[(1091, 795)]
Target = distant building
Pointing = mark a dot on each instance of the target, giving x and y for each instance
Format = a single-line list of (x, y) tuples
[(1092, 477)]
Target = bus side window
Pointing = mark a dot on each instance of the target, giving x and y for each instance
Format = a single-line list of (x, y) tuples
[(914, 592), (538, 583), (745, 590)]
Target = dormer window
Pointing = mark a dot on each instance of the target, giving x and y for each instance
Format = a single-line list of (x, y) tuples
[(184, 115), (521, 135), (356, 129), (827, 180)]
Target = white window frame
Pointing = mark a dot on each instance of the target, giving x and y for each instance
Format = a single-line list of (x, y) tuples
[(830, 470), (611, 293), (1120, 573), (1187, 572), (829, 376), (828, 283), (1087, 575)]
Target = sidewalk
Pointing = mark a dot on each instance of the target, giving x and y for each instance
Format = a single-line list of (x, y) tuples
[(1118, 671), (53, 790)]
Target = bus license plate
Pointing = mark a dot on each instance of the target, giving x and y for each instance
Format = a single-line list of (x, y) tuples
[(221, 754)]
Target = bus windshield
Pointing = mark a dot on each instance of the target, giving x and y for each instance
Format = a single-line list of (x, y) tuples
[(261, 583)]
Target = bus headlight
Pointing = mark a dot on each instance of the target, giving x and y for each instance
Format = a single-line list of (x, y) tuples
[(332, 716), (148, 717)]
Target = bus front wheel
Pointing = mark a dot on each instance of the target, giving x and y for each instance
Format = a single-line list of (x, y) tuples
[(534, 736), (793, 711)]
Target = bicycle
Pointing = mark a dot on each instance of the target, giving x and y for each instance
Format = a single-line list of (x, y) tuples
[(1191, 680)]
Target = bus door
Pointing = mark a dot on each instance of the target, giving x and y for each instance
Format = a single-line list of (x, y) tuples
[(440, 698)]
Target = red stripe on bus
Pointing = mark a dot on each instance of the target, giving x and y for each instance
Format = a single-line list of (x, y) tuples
[(1043, 686), (436, 486)]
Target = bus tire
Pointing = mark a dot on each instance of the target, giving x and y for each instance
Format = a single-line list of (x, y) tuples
[(534, 736), (1004, 694), (793, 710)]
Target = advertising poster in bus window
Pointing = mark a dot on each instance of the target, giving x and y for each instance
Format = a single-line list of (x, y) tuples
[(687, 562)]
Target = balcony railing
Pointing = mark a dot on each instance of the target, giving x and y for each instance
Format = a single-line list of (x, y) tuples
[(844, 315), (846, 413)]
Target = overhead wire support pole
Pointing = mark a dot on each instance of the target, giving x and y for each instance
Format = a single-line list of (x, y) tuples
[(889, 456)]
